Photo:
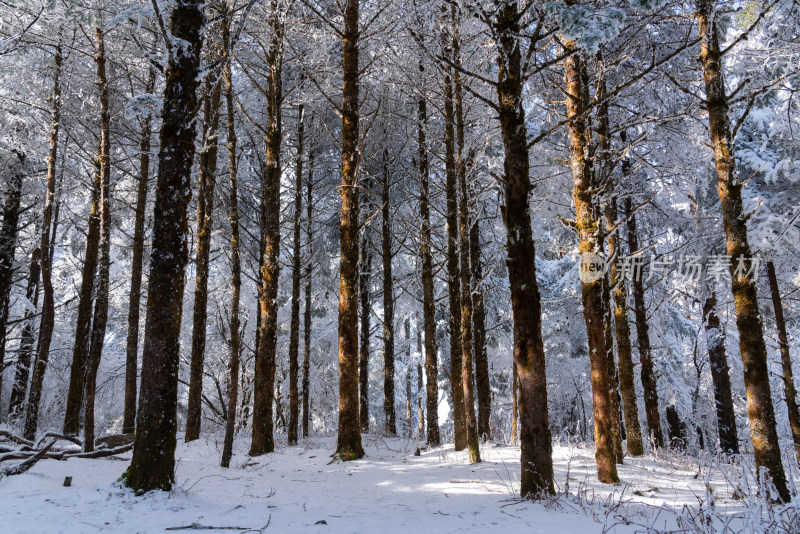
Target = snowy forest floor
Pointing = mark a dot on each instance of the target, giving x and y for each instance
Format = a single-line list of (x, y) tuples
[(295, 489)]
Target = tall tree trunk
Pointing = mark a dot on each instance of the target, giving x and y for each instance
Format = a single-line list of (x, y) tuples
[(409, 410), (48, 303), (388, 305), (453, 277), (294, 329), (365, 272), (420, 409), (752, 347), (648, 376), (83, 327), (790, 392), (8, 247), (264, 383), (613, 378), (715, 342), (236, 262), (28, 338), (588, 227), (627, 386), (153, 463), (536, 445), (482, 383), (104, 261), (137, 261), (206, 181), (428, 296), (307, 311), (348, 445)]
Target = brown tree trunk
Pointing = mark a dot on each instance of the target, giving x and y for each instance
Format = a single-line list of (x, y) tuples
[(236, 262), (349, 440), (153, 463), (409, 411), (104, 260), (137, 261), (648, 375), (388, 305), (536, 445), (428, 296), (453, 277), (613, 379), (48, 303), (420, 409), (294, 328), (715, 342), (365, 272), (83, 328), (633, 431), (752, 348), (264, 382), (307, 311), (588, 227), (514, 405), (206, 181), (482, 383), (8, 247), (790, 392)]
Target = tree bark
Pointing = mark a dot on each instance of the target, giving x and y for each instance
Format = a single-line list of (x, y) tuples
[(264, 383), (307, 311), (206, 181), (409, 410), (349, 440), (48, 303), (137, 262), (482, 382), (790, 392), (236, 262), (633, 431), (588, 227), (100, 319), (453, 277), (8, 248), (428, 296), (388, 305), (649, 384), (294, 329), (752, 347), (715, 342), (153, 462), (364, 293), (536, 445)]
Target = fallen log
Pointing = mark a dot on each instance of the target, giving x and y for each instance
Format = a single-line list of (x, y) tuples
[(5, 434), (27, 464)]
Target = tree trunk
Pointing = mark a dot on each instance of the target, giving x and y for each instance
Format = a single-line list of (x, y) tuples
[(482, 383), (409, 410), (752, 348), (307, 311), (588, 227), (388, 305), (264, 383), (453, 277), (715, 341), (294, 329), (27, 339), (420, 410), (536, 445), (790, 392), (153, 463), (633, 430), (8, 247), (83, 327), (48, 303), (206, 181), (104, 261), (648, 376), (365, 272), (137, 261), (349, 441), (236, 262), (428, 296)]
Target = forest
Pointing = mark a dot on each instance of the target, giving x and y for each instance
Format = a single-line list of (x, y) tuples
[(293, 265)]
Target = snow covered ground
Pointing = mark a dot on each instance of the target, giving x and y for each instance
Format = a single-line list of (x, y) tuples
[(295, 489)]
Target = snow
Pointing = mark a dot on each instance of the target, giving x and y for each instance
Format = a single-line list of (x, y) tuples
[(390, 490)]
